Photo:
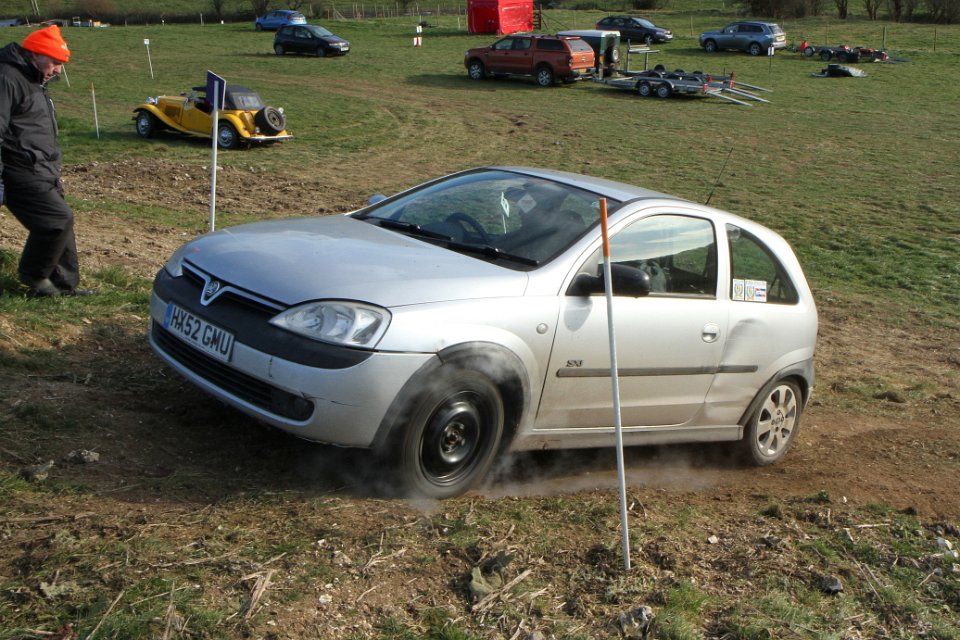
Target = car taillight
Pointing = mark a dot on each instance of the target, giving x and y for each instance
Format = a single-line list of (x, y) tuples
[(569, 61)]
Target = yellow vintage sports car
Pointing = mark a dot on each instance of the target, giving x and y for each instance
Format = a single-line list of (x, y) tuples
[(242, 120)]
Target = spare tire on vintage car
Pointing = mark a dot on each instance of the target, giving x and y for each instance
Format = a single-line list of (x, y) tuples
[(270, 120)]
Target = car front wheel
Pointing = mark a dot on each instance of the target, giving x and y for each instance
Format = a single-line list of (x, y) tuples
[(545, 76), (451, 437), (227, 136), (146, 124), (710, 46), (774, 426), (278, 49), (475, 70)]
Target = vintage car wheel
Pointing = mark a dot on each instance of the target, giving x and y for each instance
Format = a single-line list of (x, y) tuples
[(227, 136), (452, 435), (710, 46), (270, 120), (644, 89), (664, 90), (475, 70), (146, 124), (774, 426), (545, 76), (278, 49)]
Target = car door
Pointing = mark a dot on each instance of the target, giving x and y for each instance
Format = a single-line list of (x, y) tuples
[(302, 41), (669, 343), (727, 39), (500, 57)]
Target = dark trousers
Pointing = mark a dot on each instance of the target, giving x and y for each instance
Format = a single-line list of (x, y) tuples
[(51, 248)]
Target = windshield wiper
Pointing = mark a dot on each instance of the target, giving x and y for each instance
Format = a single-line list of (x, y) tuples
[(410, 228), (489, 251)]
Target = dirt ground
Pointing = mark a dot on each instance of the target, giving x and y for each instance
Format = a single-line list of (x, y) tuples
[(882, 427)]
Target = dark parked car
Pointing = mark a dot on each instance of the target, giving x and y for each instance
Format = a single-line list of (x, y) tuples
[(753, 37), (309, 38), (273, 20), (633, 29)]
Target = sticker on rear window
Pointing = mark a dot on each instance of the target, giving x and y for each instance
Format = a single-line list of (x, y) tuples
[(750, 290)]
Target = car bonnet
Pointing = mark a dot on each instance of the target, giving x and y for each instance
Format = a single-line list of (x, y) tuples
[(337, 257)]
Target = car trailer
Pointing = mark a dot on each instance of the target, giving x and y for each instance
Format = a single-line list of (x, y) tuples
[(844, 53), (664, 84)]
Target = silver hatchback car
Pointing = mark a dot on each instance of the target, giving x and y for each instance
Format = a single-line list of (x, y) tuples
[(466, 317)]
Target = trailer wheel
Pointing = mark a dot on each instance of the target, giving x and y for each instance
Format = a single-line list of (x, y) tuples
[(664, 90), (825, 55), (710, 46), (644, 89), (475, 70), (545, 76), (808, 52), (755, 49)]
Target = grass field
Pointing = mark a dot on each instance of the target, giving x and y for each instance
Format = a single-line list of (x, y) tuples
[(174, 537)]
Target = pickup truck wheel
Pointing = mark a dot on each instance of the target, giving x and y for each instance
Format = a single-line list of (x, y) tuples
[(227, 136), (545, 76), (644, 89), (146, 124), (476, 71), (755, 49), (664, 90), (710, 46), (278, 49)]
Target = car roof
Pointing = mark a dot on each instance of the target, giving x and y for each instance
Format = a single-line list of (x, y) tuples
[(589, 33), (601, 186)]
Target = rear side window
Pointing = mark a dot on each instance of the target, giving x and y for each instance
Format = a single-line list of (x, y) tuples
[(550, 45), (757, 275), (579, 45)]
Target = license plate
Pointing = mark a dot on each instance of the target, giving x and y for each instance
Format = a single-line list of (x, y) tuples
[(196, 331)]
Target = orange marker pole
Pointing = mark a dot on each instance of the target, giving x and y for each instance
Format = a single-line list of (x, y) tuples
[(614, 377)]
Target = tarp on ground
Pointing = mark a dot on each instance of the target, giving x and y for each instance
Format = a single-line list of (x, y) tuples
[(499, 16)]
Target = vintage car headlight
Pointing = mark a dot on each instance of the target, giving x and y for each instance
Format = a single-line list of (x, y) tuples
[(352, 324)]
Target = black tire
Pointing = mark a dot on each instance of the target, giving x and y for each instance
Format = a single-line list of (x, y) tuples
[(270, 120), (451, 437), (710, 46), (278, 49), (545, 76), (808, 52), (664, 90), (258, 27), (755, 49), (321, 51), (147, 124), (825, 55), (227, 136), (774, 426), (476, 70), (644, 89), (612, 56), (648, 39)]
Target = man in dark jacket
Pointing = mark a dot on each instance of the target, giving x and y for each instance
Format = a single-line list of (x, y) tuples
[(30, 183)]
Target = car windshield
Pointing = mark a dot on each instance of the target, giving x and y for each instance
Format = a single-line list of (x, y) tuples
[(319, 31), (519, 219)]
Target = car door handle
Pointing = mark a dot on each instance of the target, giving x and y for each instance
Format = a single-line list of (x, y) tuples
[(710, 332)]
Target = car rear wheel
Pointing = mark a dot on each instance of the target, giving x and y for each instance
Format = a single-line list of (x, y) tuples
[(452, 435), (755, 49), (774, 426), (278, 49), (648, 39), (664, 90), (146, 124), (475, 70), (227, 136), (545, 76), (321, 52), (270, 120), (644, 89), (710, 46)]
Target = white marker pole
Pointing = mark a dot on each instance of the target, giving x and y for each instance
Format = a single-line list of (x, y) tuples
[(618, 427), (96, 121), (146, 42), (213, 163)]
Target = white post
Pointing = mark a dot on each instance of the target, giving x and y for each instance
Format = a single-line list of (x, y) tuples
[(218, 91), (146, 43), (618, 427), (96, 121)]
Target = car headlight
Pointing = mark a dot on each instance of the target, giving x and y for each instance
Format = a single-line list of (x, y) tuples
[(174, 265), (351, 324)]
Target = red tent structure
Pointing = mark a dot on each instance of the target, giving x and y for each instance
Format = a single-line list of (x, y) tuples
[(499, 16)]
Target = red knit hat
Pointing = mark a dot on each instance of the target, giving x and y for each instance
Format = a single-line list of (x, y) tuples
[(48, 42)]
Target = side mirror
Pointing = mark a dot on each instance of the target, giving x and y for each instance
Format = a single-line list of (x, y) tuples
[(627, 281), (374, 199)]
